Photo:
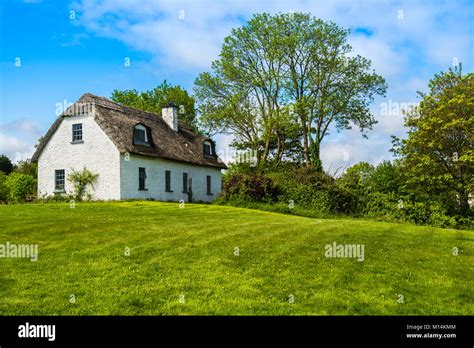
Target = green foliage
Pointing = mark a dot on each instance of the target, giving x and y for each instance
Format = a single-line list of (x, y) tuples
[(6, 165), (252, 186), (355, 182), (378, 192), (281, 81), (3, 187), (80, 181), (438, 155), (26, 167), (386, 178), (159, 97), (296, 192), (292, 187), (391, 207), (21, 187)]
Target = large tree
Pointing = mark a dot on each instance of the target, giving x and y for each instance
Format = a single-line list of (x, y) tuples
[(438, 153), (243, 94), (6, 164), (161, 96), (295, 73)]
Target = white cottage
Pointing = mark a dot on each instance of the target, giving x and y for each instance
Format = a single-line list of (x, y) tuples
[(137, 154)]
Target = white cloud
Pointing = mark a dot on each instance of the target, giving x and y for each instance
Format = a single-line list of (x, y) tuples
[(16, 148), (407, 51), (18, 139), (190, 33)]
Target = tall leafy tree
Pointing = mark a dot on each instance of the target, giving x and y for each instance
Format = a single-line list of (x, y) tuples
[(295, 70), (154, 100), (243, 93), (327, 84), (438, 153)]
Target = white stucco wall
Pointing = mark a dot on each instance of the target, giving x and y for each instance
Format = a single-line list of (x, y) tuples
[(97, 153), (155, 181)]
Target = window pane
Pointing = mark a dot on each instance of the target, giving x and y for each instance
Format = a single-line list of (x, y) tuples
[(77, 132), (59, 179), (141, 178), (185, 182), (139, 135), (208, 181), (207, 150), (167, 180)]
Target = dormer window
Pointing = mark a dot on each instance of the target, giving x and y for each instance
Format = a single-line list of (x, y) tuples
[(141, 135), (207, 147)]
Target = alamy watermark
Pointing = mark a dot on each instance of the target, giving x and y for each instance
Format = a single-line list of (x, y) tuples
[(345, 251), (26, 251), (73, 109), (230, 155), (392, 108)]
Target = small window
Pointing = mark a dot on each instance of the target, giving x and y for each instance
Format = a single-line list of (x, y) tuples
[(140, 135), (208, 182), (207, 149), (59, 177), (168, 181), (185, 182), (77, 133), (141, 179)]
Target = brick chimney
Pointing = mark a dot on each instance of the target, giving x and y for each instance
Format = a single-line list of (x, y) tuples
[(170, 116)]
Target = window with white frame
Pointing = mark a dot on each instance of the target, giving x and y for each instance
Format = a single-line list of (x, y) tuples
[(140, 135), (207, 148)]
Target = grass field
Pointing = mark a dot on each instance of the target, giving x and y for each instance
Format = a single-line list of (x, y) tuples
[(184, 262)]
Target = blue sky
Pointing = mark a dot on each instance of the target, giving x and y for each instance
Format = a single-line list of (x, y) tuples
[(54, 51)]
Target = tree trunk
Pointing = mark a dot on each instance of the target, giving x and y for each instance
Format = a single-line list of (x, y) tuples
[(315, 154), (266, 150), (464, 207)]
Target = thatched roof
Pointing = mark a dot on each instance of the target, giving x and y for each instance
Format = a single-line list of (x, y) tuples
[(118, 122)]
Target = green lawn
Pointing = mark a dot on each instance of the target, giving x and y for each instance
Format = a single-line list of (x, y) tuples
[(183, 262)]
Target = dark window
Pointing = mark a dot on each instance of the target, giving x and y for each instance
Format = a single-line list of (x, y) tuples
[(208, 182), (141, 178), (168, 181), (185, 182), (140, 135), (207, 150), (77, 132), (59, 177)]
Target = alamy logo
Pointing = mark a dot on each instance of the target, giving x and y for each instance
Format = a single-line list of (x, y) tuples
[(37, 331), (345, 250), (28, 251)]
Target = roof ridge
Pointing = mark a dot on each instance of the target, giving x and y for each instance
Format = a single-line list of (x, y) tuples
[(121, 107)]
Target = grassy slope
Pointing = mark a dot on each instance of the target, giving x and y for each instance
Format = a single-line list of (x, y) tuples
[(190, 252)]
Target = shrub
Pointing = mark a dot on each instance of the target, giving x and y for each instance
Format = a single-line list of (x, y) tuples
[(257, 187), (80, 180), (342, 200), (27, 167), (3, 187), (21, 187), (391, 207), (312, 190)]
